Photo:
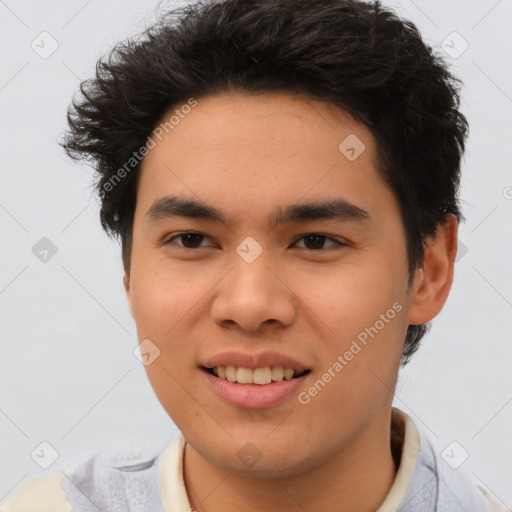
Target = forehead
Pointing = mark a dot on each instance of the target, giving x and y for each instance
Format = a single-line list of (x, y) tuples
[(279, 120), (259, 150)]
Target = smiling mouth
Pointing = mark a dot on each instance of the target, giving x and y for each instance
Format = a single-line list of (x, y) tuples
[(257, 376)]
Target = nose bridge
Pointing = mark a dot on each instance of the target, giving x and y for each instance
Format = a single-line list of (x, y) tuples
[(251, 293)]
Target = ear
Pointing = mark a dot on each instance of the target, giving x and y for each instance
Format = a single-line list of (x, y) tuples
[(128, 291), (434, 279)]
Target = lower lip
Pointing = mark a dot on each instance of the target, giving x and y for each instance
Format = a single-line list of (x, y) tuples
[(254, 396)]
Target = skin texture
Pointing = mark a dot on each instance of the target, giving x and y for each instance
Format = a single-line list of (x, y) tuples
[(247, 155)]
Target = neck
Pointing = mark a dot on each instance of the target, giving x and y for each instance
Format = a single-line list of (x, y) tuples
[(356, 478)]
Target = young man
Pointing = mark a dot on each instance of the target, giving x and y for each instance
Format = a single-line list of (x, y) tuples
[(283, 176)]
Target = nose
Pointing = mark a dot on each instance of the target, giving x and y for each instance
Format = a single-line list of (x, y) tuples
[(253, 295)]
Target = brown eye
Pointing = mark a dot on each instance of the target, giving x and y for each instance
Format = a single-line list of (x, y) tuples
[(316, 241), (189, 240)]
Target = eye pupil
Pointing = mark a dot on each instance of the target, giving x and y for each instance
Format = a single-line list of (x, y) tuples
[(193, 239), (318, 240)]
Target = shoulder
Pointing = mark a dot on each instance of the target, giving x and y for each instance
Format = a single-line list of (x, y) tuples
[(457, 490), (429, 482), (104, 478), (456, 487), (495, 506), (43, 494)]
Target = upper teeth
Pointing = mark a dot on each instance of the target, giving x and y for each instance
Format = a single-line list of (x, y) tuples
[(257, 376)]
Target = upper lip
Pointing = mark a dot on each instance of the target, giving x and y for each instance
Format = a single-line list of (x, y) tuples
[(254, 361)]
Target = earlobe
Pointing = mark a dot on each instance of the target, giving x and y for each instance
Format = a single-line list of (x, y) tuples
[(433, 281)]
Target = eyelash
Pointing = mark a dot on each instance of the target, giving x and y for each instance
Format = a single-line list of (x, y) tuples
[(169, 240)]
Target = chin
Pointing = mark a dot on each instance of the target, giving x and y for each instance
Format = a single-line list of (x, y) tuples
[(261, 459)]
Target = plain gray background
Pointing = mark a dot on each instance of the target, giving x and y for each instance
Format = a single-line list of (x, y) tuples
[(68, 376)]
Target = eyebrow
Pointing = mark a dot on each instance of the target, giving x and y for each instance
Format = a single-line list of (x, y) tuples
[(337, 209)]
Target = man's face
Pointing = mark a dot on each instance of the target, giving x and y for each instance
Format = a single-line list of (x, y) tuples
[(309, 291)]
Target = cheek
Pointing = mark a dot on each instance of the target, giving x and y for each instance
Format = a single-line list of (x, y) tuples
[(162, 302), (359, 368), (360, 313), (349, 298), (161, 297)]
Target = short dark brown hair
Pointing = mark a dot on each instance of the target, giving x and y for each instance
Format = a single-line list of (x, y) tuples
[(356, 55)]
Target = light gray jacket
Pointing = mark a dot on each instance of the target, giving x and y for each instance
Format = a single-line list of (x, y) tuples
[(97, 486)]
